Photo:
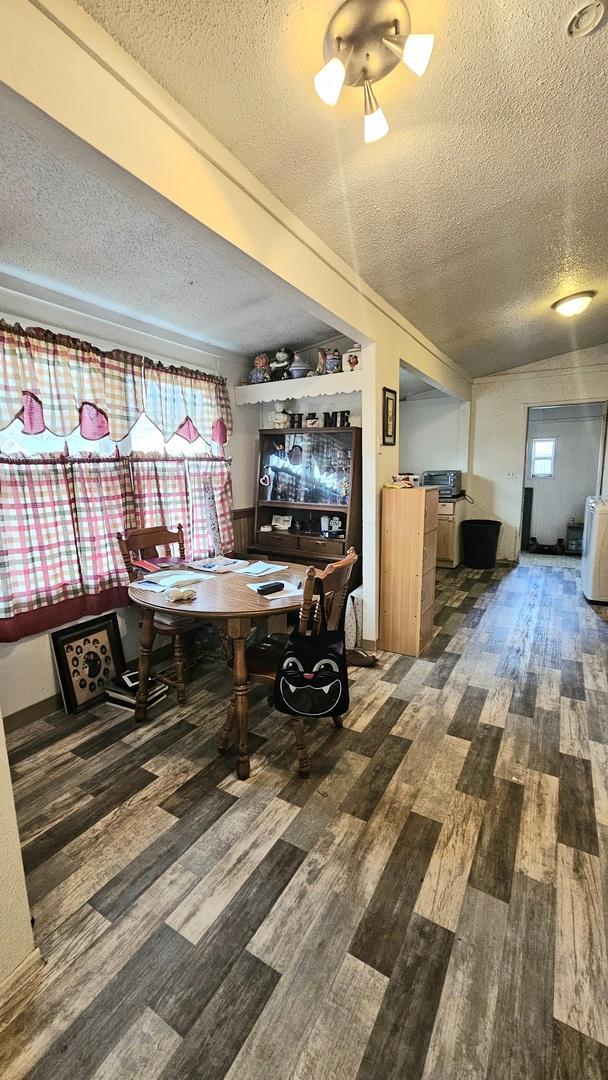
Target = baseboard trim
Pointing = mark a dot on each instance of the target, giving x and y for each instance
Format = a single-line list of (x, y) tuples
[(19, 986), (369, 644), (40, 710)]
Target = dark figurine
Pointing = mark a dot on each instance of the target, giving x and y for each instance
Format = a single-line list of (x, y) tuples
[(281, 365)]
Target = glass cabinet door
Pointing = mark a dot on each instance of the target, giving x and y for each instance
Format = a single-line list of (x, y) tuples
[(306, 467)]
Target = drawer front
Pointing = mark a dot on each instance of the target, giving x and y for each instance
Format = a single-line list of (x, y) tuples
[(279, 540), (428, 589), (446, 509), (429, 549), (322, 547)]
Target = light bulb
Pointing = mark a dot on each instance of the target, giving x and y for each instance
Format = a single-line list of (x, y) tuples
[(573, 305), (330, 80), (417, 52), (375, 125)]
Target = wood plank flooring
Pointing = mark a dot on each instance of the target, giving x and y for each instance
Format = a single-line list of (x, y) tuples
[(432, 903)]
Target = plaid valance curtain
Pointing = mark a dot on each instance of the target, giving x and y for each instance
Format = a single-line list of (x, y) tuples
[(59, 558), (58, 383)]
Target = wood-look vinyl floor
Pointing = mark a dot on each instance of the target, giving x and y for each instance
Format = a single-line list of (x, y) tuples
[(432, 903)]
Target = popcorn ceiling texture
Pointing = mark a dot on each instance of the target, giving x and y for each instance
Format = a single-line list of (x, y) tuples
[(482, 206), (108, 239)]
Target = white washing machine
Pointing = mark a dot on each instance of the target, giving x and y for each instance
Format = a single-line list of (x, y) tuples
[(594, 563)]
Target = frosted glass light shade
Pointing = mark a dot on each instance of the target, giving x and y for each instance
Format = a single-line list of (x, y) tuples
[(375, 126), (573, 305), (330, 80), (374, 120), (417, 52)]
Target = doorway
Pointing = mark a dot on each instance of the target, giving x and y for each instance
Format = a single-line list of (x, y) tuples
[(563, 466)]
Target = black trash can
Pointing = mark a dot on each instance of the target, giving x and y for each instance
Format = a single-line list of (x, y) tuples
[(479, 543)]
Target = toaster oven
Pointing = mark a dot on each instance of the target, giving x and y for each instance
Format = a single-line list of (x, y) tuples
[(449, 482)]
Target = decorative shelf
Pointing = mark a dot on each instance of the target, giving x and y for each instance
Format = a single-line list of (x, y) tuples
[(276, 504), (345, 382)]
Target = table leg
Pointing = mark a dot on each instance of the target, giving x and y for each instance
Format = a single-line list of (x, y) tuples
[(238, 631), (224, 736), (146, 641)]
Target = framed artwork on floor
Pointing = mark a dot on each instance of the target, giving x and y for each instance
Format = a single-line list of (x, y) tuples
[(88, 656), (389, 417)]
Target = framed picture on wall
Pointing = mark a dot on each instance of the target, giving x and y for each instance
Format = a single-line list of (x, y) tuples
[(389, 417), (88, 656)]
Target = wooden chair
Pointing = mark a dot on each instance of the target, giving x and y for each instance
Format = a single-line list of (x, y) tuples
[(263, 658), (145, 544)]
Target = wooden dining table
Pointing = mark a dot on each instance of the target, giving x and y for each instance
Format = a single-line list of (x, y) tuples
[(224, 600)]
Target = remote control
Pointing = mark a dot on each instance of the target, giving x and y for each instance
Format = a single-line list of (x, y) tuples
[(269, 587)]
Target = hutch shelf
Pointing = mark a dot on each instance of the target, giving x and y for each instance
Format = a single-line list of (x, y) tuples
[(310, 478)]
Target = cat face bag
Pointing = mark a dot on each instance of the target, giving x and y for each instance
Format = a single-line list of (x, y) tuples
[(312, 676)]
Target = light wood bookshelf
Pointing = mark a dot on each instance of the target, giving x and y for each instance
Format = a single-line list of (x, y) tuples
[(407, 568)]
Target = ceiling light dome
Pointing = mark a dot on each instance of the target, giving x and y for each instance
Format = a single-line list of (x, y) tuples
[(574, 304)]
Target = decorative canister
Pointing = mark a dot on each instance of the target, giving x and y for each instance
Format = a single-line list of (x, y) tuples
[(299, 368)]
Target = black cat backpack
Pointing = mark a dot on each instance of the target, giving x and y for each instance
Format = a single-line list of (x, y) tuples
[(312, 675)]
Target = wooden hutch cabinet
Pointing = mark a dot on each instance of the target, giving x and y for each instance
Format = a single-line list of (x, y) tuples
[(310, 477)]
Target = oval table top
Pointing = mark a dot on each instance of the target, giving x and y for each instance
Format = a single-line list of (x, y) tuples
[(227, 596)]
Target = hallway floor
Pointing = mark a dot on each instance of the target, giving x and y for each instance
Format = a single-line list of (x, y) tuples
[(432, 902)]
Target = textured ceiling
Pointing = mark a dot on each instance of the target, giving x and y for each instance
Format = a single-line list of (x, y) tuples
[(484, 204), (64, 226), (412, 385)]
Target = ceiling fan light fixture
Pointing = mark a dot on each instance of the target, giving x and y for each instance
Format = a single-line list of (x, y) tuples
[(330, 80), (417, 52), (575, 304), (375, 125)]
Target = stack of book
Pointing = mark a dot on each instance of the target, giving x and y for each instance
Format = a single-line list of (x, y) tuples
[(123, 690)]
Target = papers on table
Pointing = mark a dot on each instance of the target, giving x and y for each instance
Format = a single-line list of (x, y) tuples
[(219, 565), (173, 579), (260, 568), (289, 590)]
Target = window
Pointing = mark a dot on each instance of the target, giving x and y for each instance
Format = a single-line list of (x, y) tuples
[(144, 438), (93, 443), (543, 458), (59, 517)]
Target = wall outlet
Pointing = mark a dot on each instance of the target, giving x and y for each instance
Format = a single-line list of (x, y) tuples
[(511, 474)]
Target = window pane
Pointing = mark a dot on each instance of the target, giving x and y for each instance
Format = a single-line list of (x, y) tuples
[(544, 447), (542, 467), (13, 441)]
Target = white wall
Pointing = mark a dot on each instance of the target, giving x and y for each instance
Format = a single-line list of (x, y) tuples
[(27, 671), (499, 415), (16, 941), (433, 434), (577, 430)]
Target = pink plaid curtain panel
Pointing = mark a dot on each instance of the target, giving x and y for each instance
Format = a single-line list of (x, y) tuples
[(59, 558), (57, 383)]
